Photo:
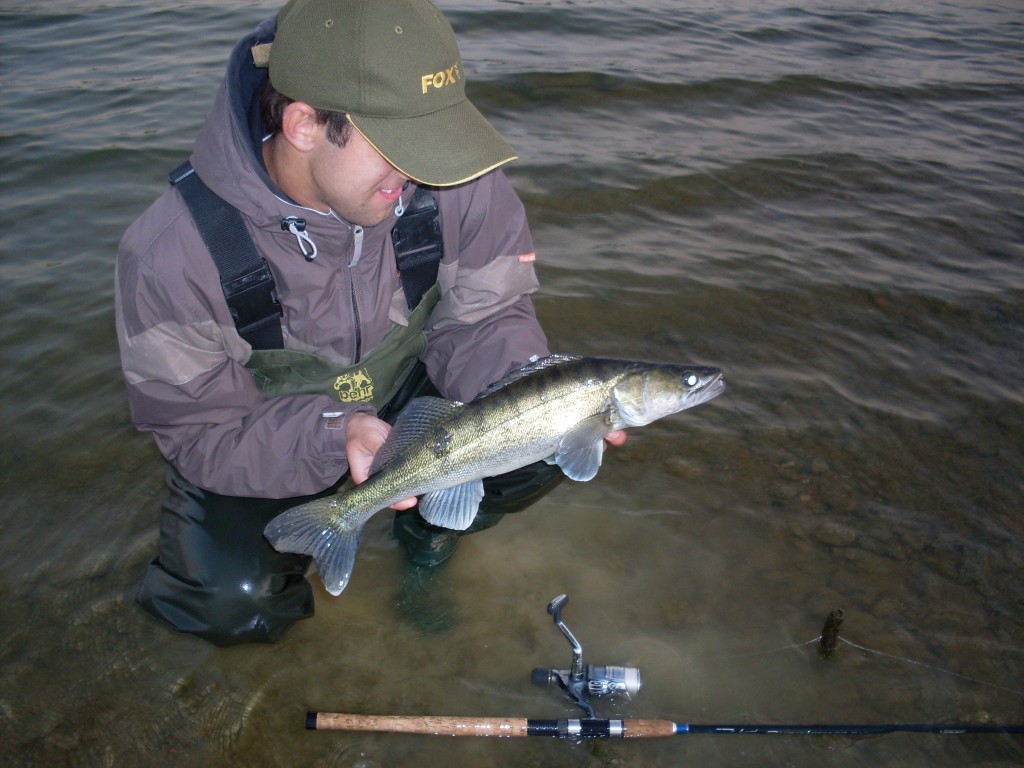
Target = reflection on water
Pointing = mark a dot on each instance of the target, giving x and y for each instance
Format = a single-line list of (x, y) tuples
[(823, 201)]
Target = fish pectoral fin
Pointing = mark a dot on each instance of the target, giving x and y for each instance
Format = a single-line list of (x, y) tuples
[(581, 463), (453, 508), (306, 530), (582, 448)]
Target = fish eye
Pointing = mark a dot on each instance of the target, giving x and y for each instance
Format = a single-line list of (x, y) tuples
[(690, 379)]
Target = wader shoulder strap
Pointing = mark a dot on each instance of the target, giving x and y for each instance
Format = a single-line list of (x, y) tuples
[(246, 278), (418, 246), (245, 275)]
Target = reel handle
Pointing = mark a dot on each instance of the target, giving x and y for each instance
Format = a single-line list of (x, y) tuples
[(555, 609)]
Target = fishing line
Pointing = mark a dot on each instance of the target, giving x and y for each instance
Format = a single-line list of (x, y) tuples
[(907, 659), (1014, 691), (754, 654)]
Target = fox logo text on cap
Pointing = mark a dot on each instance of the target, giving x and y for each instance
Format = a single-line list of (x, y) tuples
[(440, 79)]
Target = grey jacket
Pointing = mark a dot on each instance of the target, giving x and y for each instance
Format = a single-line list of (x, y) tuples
[(183, 360)]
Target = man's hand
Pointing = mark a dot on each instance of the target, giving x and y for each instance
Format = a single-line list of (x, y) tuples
[(364, 435), (618, 437)]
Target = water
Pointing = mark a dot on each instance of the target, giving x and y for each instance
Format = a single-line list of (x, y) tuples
[(824, 199)]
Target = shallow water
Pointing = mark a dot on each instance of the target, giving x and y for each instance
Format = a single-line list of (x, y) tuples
[(825, 200)]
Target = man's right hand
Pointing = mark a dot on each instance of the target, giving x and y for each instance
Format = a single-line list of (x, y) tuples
[(364, 435)]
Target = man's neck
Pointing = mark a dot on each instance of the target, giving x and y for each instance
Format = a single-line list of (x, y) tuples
[(285, 168)]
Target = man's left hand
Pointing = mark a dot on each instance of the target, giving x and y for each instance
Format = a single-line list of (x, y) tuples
[(364, 436)]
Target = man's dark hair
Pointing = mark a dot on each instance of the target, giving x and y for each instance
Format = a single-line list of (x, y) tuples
[(273, 104)]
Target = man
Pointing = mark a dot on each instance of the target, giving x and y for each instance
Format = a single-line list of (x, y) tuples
[(266, 385)]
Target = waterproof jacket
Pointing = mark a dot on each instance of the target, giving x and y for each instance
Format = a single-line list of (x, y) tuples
[(184, 362)]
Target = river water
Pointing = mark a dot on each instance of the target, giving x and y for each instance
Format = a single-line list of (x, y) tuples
[(824, 199)]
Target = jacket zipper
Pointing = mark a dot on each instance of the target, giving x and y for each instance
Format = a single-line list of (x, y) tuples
[(357, 254), (355, 317)]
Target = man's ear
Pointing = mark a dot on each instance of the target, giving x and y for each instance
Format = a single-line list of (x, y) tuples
[(299, 126)]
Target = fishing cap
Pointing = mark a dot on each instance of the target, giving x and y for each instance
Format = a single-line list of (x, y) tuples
[(393, 68)]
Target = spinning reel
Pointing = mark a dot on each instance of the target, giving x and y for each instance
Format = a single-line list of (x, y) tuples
[(581, 682)]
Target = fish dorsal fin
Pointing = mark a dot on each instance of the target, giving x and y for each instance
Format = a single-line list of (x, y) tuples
[(582, 448), (416, 420), (530, 368), (453, 508)]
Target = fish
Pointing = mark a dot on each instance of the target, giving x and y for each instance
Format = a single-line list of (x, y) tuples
[(558, 408)]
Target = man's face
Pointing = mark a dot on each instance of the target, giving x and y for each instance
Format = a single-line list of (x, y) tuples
[(354, 180)]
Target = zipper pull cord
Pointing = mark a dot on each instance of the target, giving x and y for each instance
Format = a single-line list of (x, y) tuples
[(357, 245), (400, 207), (297, 227)]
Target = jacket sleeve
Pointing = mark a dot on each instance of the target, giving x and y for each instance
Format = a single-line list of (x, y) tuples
[(183, 364), (484, 325)]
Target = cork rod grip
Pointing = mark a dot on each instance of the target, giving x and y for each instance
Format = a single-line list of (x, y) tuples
[(435, 725)]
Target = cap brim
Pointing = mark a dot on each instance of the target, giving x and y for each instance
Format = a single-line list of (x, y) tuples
[(451, 146)]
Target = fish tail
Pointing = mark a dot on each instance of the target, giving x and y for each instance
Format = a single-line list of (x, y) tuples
[(307, 530)]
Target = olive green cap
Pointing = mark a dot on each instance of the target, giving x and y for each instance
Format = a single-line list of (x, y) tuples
[(393, 68)]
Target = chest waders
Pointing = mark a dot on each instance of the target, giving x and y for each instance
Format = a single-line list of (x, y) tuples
[(215, 575)]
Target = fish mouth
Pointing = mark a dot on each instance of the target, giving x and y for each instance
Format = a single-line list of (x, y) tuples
[(712, 387)]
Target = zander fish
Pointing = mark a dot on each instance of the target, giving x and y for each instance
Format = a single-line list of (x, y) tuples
[(558, 408)]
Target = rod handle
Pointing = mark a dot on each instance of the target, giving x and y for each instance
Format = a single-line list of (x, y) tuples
[(429, 724), (490, 726)]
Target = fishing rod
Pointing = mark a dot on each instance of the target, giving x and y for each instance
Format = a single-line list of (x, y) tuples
[(580, 682), (625, 729)]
